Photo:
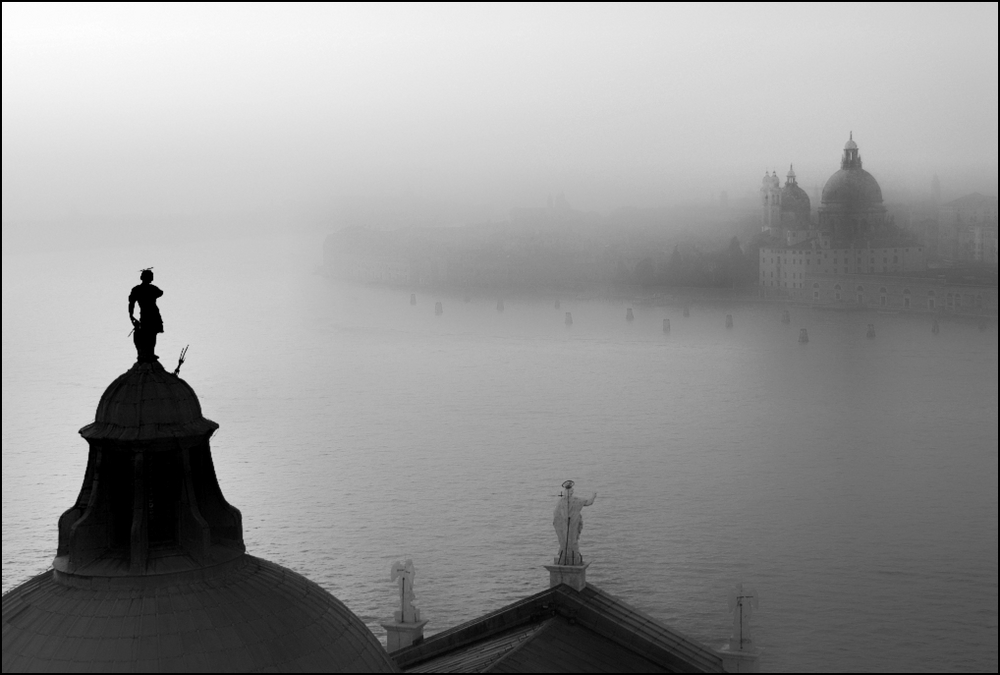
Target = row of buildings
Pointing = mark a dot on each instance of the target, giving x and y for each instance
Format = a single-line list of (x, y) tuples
[(853, 254)]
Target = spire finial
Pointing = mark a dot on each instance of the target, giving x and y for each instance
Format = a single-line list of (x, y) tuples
[(851, 136)]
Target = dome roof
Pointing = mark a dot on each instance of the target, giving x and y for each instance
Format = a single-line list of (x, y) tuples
[(853, 188), (794, 198), (145, 403), (242, 616)]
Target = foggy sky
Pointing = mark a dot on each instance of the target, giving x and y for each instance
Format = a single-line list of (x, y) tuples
[(160, 110)]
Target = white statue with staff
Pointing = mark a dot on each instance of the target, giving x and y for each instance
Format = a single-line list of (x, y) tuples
[(568, 523), (405, 572)]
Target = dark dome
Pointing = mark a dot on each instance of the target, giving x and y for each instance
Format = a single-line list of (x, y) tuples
[(794, 198), (151, 571), (148, 402), (852, 188), (247, 615)]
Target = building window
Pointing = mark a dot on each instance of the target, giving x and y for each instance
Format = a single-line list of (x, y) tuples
[(861, 298), (815, 295), (906, 302)]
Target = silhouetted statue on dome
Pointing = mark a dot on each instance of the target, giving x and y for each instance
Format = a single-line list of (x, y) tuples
[(149, 324)]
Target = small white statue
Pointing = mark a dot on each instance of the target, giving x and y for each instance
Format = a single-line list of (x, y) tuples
[(568, 523), (405, 572), (742, 602)]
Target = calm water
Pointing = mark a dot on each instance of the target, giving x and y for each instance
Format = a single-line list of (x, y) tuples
[(853, 482)]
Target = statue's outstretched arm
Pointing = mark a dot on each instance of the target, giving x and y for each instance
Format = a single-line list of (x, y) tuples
[(591, 500)]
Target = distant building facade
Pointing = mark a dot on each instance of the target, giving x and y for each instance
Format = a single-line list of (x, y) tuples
[(790, 267), (900, 293), (966, 230)]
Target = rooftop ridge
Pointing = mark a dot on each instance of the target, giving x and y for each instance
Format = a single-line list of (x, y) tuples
[(591, 608)]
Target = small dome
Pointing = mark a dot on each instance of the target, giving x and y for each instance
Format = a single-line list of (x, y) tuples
[(794, 198), (854, 189), (148, 402), (248, 615), (850, 144)]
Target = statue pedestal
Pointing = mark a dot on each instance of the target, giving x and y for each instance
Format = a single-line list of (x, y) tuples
[(574, 576), (740, 660), (400, 635)]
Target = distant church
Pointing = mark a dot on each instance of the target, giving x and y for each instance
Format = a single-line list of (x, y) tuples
[(808, 259), (850, 213)]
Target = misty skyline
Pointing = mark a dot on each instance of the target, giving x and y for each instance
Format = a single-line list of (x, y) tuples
[(157, 111)]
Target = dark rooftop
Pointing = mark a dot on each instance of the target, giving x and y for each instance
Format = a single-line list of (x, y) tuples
[(147, 402), (247, 615), (561, 630)]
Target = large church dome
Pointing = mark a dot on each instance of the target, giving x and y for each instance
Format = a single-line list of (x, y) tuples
[(151, 573), (852, 188), (851, 209)]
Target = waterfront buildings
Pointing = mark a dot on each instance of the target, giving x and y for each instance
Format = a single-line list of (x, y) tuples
[(853, 255)]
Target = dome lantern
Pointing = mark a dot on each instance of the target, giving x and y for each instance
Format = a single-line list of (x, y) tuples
[(150, 500), (151, 572), (851, 158)]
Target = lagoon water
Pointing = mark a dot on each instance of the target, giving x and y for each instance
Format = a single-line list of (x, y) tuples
[(851, 481)]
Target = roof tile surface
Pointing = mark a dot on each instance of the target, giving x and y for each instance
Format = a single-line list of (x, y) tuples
[(258, 616)]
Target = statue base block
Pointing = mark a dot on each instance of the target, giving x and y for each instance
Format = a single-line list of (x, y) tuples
[(400, 635), (740, 660), (574, 576)]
